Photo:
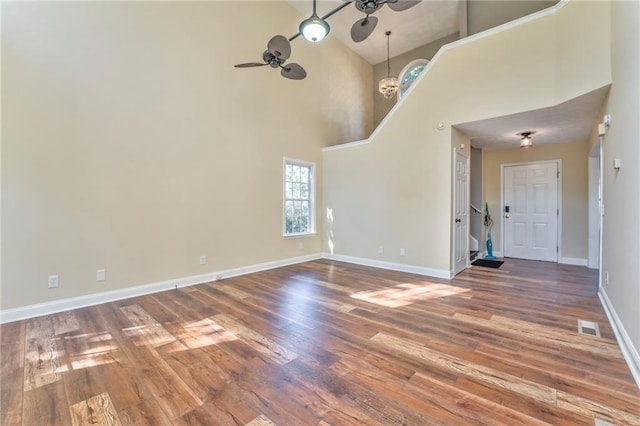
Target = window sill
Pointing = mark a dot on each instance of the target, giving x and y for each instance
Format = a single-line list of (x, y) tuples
[(293, 236)]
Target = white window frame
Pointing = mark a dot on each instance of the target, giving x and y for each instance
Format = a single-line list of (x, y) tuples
[(312, 197), (410, 66)]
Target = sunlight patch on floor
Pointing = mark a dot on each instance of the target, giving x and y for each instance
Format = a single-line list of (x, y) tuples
[(100, 350), (203, 333), (406, 294)]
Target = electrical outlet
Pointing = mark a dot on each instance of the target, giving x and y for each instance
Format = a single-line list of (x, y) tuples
[(101, 275), (53, 281), (402, 252), (606, 277), (203, 260), (380, 249), (300, 245)]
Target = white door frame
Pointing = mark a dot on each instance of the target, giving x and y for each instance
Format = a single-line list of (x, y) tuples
[(559, 182), (595, 206), (454, 246)]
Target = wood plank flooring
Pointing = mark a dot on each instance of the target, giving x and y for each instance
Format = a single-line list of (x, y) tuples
[(328, 343)]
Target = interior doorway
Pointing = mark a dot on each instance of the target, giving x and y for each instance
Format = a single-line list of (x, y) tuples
[(530, 209)]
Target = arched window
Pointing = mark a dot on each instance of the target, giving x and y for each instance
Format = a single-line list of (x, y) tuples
[(409, 73)]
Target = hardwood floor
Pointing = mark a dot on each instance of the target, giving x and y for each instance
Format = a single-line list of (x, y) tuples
[(328, 343)]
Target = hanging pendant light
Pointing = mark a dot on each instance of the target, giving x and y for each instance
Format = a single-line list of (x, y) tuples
[(314, 28), (388, 86), (526, 141)]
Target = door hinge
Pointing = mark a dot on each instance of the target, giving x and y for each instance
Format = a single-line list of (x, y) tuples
[(558, 174), (557, 212), (557, 249)]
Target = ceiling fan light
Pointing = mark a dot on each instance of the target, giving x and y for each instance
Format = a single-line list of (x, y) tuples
[(314, 29), (388, 86)]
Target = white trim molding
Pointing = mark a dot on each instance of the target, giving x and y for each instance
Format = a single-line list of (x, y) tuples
[(629, 352), (412, 269), (47, 308), (573, 261)]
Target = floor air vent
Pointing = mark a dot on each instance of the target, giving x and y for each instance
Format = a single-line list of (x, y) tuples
[(589, 328)]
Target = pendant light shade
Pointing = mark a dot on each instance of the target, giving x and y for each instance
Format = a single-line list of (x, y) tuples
[(314, 28), (389, 85)]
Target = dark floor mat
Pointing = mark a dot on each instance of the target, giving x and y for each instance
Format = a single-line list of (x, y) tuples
[(488, 263)]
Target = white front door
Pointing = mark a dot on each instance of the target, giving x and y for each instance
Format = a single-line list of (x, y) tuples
[(530, 211), (460, 212)]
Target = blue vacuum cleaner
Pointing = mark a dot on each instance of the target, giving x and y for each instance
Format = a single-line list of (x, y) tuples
[(488, 222)]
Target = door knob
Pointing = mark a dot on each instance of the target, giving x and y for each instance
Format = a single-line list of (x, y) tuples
[(506, 215), (458, 220)]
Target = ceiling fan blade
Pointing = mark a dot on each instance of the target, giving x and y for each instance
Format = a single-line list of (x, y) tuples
[(293, 71), (280, 47), (250, 64), (363, 28), (400, 5)]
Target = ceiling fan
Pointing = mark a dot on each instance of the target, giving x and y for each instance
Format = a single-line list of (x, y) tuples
[(363, 28), (277, 53)]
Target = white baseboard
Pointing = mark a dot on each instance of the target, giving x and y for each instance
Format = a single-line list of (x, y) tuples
[(564, 260), (437, 273), (629, 352), (47, 308), (573, 261)]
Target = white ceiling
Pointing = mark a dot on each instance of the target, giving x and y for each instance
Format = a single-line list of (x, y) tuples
[(414, 27), (568, 122)]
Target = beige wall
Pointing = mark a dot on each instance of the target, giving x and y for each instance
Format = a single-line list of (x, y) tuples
[(395, 190), (621, 192), (485, 14), (479, 14), (574, 178), (131, 143), (382, 106)]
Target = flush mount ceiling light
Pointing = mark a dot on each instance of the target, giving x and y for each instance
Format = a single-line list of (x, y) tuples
[(314, 28), (525, 140), (389, 85)]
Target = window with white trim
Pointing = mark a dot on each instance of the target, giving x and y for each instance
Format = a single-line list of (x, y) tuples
[(409, 74), (299, 197)]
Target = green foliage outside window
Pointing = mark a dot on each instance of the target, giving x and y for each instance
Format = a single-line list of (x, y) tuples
[(297, 199)]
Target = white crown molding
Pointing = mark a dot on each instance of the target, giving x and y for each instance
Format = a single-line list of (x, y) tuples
[(31, 311), (629, 352)]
